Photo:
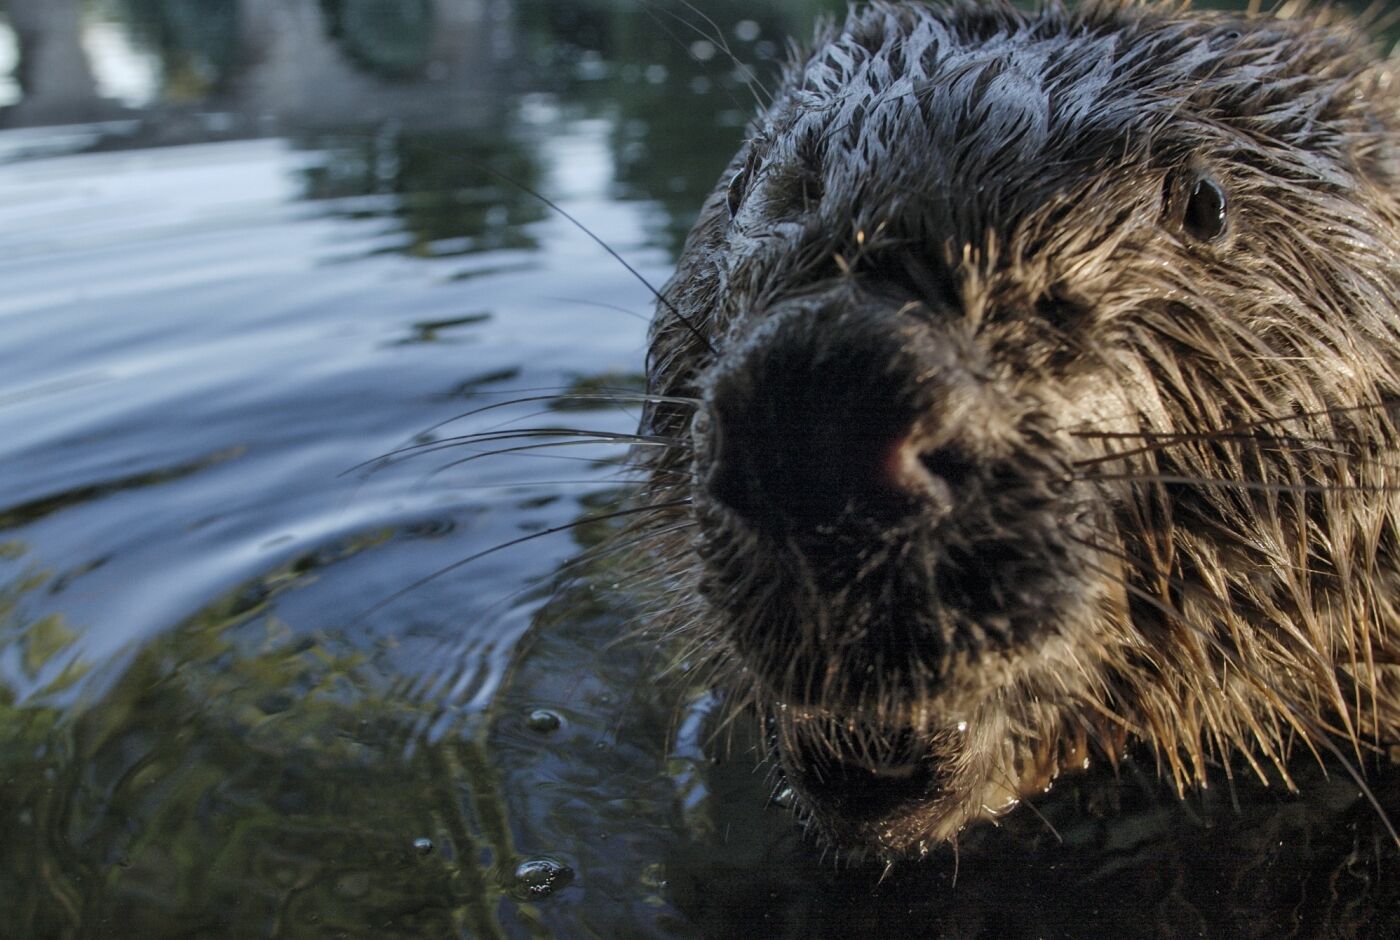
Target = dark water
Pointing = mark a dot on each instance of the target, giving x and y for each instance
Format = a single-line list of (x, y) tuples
[(247, 246)]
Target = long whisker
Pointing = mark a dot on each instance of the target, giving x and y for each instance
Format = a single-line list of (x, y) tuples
[(616, 308), (590, 556), (656, 11), (535, 451), (543, 533), (1162, 442), (487, 437), (437, 471), (1284, 419), (593, 236), (684, 320), (620, 397), (1181, 480)]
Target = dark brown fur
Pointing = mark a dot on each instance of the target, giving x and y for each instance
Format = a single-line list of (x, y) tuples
[(1165, 483)]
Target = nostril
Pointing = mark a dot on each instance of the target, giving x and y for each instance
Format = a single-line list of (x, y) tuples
[(929, 477), (950, 464)]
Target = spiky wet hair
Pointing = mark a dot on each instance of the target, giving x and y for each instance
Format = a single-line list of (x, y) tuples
[(1217, 393)]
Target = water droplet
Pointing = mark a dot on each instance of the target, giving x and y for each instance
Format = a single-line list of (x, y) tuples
[(541, 877), (543, 720), (746, 30)]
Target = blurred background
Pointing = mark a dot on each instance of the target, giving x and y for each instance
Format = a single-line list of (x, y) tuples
[(264, 266)]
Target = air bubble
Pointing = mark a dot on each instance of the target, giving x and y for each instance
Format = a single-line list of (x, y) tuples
[(541, 877), (543, 720)]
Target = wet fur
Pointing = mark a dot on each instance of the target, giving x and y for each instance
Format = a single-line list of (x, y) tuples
[(1199, 439)]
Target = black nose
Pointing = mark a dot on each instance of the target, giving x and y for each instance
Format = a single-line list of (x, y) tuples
[(822, 415)]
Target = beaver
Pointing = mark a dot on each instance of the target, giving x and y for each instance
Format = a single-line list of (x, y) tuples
[(1027, 388)]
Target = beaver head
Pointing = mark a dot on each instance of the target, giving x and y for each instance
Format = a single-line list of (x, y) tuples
[(1024, 387)]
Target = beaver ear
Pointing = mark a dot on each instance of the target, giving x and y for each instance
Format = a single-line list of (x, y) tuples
[(734, 193), (1377, 155), (739, 184), (1375, 152)]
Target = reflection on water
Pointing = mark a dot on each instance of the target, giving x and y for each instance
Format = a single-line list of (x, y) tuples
[(436, 188), (291, 236), (210, 724), (52, 66), (9, 64)]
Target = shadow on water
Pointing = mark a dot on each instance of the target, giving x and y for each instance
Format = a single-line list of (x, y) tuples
[(249, 245)]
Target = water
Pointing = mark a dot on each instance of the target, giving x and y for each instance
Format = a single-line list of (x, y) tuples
[(273, 241)]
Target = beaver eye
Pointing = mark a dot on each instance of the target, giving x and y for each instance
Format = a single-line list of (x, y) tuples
[(738, 186), (1207, 211)]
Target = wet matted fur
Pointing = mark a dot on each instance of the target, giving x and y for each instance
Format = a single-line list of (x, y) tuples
[(1028, 386)]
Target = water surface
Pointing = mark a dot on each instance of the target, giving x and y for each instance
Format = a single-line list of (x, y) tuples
[(248, 249)]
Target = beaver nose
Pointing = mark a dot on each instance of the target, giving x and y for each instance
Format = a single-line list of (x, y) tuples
[(802, 477), (819, 419)]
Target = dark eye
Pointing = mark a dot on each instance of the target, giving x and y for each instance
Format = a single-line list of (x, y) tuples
[(738, 186), (1207, 211)]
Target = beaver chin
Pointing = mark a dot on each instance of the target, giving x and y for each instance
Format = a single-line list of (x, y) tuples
[(904, 808), (897, 782)]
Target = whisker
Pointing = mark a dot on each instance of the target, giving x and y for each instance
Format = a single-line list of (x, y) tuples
[(625, 475), (543, 533), (1179, 480), (1177, 436), (1284, 419), (592, 461), (593, 236), (394, 457), (655, 11), (684, 320), (606, 480), (437, 471), (1298, 446), (620, 397), (601, 305), (1160, 443), (1359, 778), (588, 557)]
